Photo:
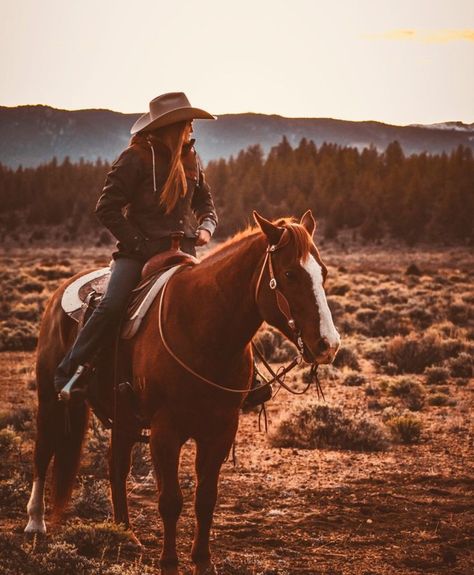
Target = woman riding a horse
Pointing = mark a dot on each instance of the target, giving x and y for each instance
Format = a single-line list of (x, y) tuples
[(187, 385), (159, 180)]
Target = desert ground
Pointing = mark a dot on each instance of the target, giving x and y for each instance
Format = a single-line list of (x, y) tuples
[(374, 479)]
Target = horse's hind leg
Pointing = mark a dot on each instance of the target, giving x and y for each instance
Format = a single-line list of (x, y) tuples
[(120, 452), (165, 450), (44, 449), (209, 458)]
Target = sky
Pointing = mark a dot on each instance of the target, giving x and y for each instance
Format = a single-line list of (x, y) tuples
[(396, 61)]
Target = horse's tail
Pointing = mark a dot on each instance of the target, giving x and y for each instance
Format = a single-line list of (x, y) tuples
[(67, 454), (61, 427)]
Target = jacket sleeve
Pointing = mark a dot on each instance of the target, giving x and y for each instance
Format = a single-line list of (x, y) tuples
[(120, 185), (203, 204)]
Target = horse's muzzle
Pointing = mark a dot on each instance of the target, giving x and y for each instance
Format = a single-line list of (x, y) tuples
[(323, 354)]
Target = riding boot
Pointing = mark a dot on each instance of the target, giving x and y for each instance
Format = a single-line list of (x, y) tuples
[(259, 393)]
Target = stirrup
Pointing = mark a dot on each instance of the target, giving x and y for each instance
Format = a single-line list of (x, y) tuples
[(65, 393)]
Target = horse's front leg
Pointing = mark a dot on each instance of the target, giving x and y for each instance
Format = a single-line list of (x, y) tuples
[(211, 453), (165, 446)]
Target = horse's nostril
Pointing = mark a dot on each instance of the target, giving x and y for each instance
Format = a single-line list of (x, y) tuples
[(323, 345)]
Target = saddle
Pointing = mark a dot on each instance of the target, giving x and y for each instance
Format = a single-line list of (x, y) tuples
[(82, 296)]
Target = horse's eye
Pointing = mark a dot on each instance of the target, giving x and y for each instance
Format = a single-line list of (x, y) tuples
[(290, 274)]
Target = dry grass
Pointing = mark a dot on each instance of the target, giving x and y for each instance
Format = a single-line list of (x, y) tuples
[(285, 510)]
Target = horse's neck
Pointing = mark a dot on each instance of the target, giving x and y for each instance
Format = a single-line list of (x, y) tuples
[(235, 316)]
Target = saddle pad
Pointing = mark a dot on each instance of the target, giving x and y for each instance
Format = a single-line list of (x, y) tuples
[(135, 314), (76, 293)]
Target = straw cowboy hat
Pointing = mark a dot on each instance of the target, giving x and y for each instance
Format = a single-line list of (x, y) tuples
[(168, 109)]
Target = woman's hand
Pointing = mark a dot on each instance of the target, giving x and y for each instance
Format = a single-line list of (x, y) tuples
[(202, 237)]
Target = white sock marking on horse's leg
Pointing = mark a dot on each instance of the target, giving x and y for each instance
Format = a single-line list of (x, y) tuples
[(35, 508), (326, 324)]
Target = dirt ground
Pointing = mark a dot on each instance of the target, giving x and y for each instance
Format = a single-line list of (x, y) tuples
[(406, 510)]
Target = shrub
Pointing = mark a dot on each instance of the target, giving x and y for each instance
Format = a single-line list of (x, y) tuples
[(336, 307), (439, 399), (97, 446), (274, 345), (354, 380), (17, 335), (346, 357), (92, 539), (421, 317), (405, 428), (9, 442), (27, 312), (410, 392), (63, 559), (449, 330), (52, 273), (141, 461), (365, 315), (436, 375), (31, 286), (387, 322), (413, 270), (13, 556), (322, 426), (460, 313), (412, 354), (93, 500), (14, 493), (19, 419), (462, 365), (339, 289), (371, 391)]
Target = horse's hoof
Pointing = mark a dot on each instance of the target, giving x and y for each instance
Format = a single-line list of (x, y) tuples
[(208, 569), (35, 527), (170, 571), (134, 539)]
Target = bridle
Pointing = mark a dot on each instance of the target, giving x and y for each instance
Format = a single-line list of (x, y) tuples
[(282, 302), (284, 308)]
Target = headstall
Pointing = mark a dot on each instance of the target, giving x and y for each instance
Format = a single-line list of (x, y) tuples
[(282, 302)]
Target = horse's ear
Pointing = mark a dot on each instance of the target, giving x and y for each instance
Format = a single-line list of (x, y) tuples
[(272, 232), (308, 222)]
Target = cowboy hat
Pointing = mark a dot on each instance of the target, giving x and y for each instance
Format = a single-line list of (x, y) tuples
[(168, 109)]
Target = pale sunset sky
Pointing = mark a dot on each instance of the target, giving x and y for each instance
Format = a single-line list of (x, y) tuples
[(397, 61)]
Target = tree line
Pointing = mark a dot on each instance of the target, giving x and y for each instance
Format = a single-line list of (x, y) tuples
[(376, 193)]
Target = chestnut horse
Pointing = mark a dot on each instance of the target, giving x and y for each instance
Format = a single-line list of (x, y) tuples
[(211, 313)]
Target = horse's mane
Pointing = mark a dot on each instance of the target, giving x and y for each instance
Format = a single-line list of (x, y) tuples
[(298, 233)]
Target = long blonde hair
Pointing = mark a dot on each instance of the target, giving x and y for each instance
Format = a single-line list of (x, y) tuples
[(175, 186)]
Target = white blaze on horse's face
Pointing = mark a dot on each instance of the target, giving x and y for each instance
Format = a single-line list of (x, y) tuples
[(327, 329)]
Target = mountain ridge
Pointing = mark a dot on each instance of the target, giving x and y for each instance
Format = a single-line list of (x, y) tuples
[(33, 134)]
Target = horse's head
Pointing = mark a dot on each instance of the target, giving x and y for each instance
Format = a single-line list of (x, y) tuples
[(290, 288)]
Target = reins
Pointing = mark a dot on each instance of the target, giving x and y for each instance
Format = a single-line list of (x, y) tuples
[(284, 308)]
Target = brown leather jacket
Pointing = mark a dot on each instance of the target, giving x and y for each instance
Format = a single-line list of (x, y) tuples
[(129, 205)]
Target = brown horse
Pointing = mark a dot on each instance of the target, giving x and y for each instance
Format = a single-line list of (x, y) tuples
[(271, 273)]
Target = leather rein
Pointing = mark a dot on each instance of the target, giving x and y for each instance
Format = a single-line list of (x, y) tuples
[(284, 308)]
